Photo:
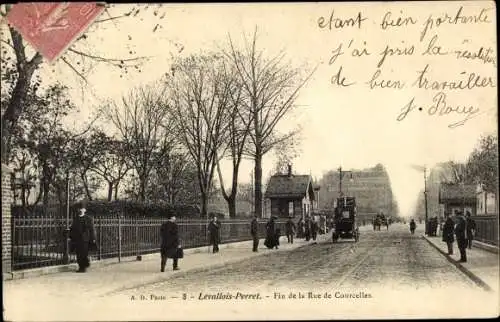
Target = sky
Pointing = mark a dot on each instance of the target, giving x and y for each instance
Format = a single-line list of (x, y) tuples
[(352, 126)]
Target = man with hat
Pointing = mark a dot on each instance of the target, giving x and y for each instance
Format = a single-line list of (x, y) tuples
[(214, 230), (169, 243), (460, 230), (82, 236), (290, 229)]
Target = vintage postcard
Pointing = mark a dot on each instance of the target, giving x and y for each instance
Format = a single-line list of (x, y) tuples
[(249, 161)]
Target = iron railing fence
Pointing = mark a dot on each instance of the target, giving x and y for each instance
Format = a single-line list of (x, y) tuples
[(39, 241), (487, 229)]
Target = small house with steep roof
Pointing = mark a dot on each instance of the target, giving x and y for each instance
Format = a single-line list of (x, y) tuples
[(458, 197), (291, 195)]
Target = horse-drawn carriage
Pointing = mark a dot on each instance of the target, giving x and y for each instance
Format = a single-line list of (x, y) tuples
[(344, 221)]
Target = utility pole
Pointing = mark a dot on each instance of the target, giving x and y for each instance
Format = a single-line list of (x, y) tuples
[(340, 181), (425, 199)]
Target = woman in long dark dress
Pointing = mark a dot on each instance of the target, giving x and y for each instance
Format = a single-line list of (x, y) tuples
[(270, 241)]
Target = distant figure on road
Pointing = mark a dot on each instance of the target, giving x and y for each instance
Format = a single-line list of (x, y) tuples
[(254, 231), (270, 241), (169, 243), (214, 230), (290, 230), (471, 229), (300, 228), (314, 228), (82, 236), (460, 230), (448, 233), (413, 226), (307, 228)]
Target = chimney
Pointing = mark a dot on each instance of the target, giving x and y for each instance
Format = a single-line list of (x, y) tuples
[(289, 170)]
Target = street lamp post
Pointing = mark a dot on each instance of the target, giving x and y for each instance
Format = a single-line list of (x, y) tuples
[(425, 201)]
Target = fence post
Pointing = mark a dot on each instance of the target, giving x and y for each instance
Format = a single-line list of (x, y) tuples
[(100, 239), (138, 257), (119, 238), (66, 235)]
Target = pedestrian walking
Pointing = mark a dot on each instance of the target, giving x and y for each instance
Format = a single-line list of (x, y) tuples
[(270, 241), (290, 230), (448, 233), (82, 237), (300, 228), (471, 229), (170, 244), (460, 231), (307, 228), (214, 230), (254, 231), (413, 226), (314, 228)]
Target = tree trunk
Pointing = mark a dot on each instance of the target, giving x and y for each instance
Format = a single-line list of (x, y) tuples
[(110, 190), (45, 185), (116, 190), (86, 186), (13, 111), (258, 183), (25, 70), (231, 203), (204, 205)]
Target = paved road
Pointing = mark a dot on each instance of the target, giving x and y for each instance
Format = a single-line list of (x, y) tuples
[(386, 274), (391, 258)]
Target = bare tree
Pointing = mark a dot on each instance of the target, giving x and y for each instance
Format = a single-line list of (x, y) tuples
[(200, 95), (145, 129), (240, 122), (270, 88), (80, 58)]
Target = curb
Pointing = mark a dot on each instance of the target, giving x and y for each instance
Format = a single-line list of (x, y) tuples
[(484, 246), (479, 282), (36, 272), (201, 269)]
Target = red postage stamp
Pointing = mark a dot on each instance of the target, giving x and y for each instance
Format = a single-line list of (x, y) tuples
[(51, 27)]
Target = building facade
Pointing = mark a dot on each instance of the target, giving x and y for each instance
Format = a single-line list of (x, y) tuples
[(289, 195)]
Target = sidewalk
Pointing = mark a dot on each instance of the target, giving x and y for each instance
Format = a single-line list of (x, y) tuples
[(482, 266), (104, 278)]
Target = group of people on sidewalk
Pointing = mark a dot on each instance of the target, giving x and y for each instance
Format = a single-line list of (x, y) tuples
[(463, 228), (83, 238)]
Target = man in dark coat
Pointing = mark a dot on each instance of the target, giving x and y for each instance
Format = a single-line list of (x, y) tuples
[(214, 230), (413, 226), (270, 241), (307, 228), (169, 243), (460, 229), (314, 228), (82, 235), (290, 229), (254, 231), (448, 233), (471, 229)]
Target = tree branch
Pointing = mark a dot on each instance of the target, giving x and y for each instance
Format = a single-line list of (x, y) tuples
[(74, 69), (106, 60)]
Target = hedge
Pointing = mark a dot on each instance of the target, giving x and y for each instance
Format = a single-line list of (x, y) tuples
[(115, 208)]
